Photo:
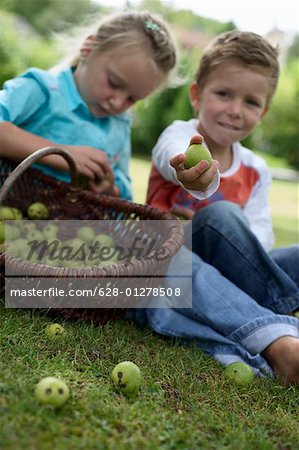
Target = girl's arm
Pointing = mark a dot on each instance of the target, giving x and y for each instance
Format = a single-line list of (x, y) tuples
[(17, 144)]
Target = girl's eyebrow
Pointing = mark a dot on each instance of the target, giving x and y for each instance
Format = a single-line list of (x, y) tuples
[(121, 81), (116, 74)]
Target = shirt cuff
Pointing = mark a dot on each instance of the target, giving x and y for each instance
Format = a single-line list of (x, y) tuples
[(211, 189)]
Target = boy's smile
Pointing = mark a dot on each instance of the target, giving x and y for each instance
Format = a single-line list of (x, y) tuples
[(230, 104)]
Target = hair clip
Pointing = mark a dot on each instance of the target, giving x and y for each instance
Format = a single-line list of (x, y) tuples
[(150, 25)]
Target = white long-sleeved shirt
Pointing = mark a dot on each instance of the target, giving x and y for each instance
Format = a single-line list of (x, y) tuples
[(246, 182)]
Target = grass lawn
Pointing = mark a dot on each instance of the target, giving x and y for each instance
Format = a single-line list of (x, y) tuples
[(185, 402)]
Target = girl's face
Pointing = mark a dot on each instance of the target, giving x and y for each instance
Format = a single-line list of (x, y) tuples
[(111, 82), (230, 105)]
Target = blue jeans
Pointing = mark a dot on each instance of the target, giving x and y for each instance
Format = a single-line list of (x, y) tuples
[(241, 295)]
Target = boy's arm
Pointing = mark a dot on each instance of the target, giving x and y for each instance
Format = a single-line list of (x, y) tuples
[(170, 145), (257, 211)]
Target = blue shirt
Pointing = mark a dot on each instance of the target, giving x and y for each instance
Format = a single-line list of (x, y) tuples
[(50, 106)]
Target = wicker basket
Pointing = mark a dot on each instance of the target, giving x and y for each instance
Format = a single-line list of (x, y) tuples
[(22, 185)]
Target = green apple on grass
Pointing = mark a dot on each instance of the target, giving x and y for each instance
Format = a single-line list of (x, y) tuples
[(196, 152), (240, 373), (52, 391), (54, 331), (126, 377)]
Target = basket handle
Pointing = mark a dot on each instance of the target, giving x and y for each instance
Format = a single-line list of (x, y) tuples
[(27, 162)]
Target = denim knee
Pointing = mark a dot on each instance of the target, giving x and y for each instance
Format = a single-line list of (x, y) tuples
[(222, 212)]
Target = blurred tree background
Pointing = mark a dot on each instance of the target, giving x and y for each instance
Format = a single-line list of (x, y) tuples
[(26, 39)]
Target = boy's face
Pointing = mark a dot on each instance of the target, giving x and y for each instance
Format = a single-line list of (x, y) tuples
[(231, 103), (111, 82)]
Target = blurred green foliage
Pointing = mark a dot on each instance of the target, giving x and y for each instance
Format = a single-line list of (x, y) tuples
[(21, 47), (186, 18), (47, 16), (293, 51), (278, 134)]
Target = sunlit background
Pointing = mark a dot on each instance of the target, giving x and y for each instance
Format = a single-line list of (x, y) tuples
[(258, 16)]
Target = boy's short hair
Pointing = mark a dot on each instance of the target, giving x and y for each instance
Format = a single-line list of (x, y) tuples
[(241, 47)]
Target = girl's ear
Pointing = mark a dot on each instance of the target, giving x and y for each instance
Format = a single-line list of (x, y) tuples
[(194, 96), (87, 45)]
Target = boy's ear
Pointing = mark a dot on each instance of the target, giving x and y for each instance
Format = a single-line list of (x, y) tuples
[(266, 109), (194, 96)]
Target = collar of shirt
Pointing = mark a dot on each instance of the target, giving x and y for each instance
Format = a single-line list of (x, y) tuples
[(69, 88)]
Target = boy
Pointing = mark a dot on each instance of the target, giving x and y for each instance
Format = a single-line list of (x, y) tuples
[(242, 297)]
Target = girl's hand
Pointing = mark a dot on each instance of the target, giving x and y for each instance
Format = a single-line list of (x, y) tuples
[(91, 162), (104, 187), (197, 178)]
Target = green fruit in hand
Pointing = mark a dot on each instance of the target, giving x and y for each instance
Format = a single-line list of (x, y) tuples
[(240, 373), (296, 313), (52, 391), (54, 331), (196, 153), (127, 377), (86, 233), (37, 211)]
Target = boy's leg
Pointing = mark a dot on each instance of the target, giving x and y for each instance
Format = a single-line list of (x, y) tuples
[(171, 323), (221, 305), (224, 321), (287, 258), (222, 238)]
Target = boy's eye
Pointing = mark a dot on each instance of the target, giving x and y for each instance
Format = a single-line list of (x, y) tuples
[(253, 103), (113, 83), (222, 93), (132, 99)]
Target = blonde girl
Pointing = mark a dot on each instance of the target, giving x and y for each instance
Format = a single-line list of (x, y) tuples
[(82, 108)]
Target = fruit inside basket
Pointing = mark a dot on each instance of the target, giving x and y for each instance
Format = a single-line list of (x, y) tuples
[(73, 208)]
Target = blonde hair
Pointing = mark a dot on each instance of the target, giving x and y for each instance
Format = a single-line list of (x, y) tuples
[(241, 47), (133, 30)]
